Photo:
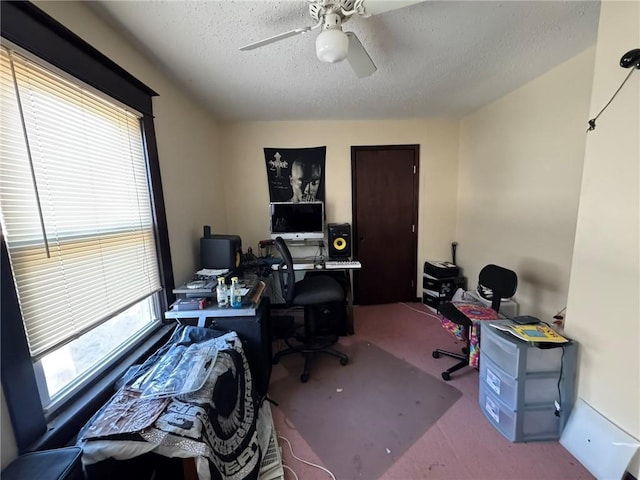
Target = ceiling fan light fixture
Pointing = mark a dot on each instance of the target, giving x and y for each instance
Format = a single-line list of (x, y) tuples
[(332, 45)]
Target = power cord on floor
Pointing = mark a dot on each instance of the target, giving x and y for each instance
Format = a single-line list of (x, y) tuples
[(291, 470), (416, 310), (303, 461)]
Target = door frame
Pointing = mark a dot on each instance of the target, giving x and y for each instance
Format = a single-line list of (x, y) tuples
[(354, 220)]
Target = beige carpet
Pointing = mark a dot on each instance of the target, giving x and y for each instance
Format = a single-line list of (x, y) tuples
[(360, 418)]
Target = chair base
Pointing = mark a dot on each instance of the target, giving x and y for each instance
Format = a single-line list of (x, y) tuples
[(308, 351), (463, 357)]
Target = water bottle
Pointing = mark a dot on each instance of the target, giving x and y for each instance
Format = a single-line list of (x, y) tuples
[(222, 293), (236, 298)]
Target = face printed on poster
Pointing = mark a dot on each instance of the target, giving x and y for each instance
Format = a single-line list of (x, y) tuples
[(295, 174)]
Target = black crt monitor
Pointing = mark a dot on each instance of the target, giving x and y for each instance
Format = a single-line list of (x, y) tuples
[(297, 221)]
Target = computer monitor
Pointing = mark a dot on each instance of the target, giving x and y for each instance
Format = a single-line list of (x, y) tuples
[(297, 221)]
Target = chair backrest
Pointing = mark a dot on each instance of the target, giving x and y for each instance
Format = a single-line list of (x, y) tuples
[(502, 282), (287, 277)]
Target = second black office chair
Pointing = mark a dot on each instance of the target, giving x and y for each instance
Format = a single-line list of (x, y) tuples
[(503, 284), (312, 292)]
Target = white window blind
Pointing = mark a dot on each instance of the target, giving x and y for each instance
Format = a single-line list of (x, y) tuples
[(75, 204)]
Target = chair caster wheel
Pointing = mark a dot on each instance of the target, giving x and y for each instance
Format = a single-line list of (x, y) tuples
[(435, 354), (304, 377), (343, 361), (446, 376)]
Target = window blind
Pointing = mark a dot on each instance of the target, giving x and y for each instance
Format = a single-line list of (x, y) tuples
[(74, 201)]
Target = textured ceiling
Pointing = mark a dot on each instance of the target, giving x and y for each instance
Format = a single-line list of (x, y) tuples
[(434, 58)]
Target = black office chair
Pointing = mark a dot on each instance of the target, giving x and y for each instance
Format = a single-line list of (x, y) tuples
[(313, 292), (502, 283)]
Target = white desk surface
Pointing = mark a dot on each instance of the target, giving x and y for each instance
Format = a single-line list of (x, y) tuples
[(306, 264)]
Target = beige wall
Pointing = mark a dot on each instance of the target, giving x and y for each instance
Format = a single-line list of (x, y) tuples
[(519, 184), (188, 147), (522, 156), (604, 302), (248, 192)]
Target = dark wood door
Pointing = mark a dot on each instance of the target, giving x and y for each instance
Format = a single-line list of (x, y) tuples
[(385, 222)]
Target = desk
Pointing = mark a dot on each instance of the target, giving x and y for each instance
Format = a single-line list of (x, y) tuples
[(216, 426), (212, 311), (328, 267), (249, 305)]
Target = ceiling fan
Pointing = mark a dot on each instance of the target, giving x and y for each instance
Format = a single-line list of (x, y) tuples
[(333, 44)]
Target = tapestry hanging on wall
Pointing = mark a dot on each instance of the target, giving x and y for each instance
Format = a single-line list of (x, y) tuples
[(295, 174)]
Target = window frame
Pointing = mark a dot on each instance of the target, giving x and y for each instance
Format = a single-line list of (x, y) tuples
[(30, 28)]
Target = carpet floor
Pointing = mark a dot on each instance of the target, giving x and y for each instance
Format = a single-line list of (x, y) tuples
[(457, 443), (379, 403)]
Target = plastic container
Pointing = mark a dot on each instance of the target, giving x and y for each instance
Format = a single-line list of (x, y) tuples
[(222, 293), (530, 390), (524, 425), (515, 357), (236, 297)]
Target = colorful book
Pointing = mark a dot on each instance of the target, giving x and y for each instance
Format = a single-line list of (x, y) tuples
[(540, 332)]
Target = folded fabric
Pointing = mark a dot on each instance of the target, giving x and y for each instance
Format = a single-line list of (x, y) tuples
[(476, 313)]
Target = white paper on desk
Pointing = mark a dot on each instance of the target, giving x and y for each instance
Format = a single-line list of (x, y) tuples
[(212, 272)]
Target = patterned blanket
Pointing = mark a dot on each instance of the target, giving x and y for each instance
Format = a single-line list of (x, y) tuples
[(215, 425), (476, 312)]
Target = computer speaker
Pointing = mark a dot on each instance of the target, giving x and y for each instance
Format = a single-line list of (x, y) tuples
[(339, 236)]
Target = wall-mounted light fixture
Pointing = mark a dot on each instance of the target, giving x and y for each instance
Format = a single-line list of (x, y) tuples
[(631, 60)]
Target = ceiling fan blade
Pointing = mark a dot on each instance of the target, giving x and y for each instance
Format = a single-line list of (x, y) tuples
[(275, 38), (376, 7), (358, 57)]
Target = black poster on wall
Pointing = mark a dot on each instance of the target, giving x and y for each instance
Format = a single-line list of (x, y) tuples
[(295, 174)]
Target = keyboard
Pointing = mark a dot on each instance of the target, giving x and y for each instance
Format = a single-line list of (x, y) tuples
[(298, 264), (329, 264)]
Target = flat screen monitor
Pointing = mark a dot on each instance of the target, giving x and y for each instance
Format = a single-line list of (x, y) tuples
[(297, 221)]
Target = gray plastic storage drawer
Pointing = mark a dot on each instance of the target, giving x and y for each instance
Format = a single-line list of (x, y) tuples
[(515, 357), (525, 425), (535, 389)]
